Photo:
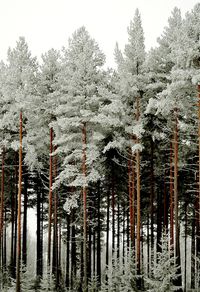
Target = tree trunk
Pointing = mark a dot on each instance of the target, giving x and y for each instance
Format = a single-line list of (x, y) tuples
[(107, 228), (198, 197), (99, 236), (16, 211), (50, 200), (18, 281), (152, 195), (193, 251), (5, 241), (171, 187), (73, 249), (185, 268), (131, 180), (24, 243), (39, 231), (118, 228), (178, 282), (67, 252), (2, 210), (84, 141), (138, 248), (113, 213), (12, 234), (55, 230)]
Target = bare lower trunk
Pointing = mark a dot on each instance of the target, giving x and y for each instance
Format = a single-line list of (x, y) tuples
[(138, 248), (18, 281), (2, 210), (178, 282), (50, 200), (84, 208)]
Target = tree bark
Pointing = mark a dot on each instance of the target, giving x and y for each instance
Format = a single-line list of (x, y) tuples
[(24, 243), (50, 199), (171, 187), (18, 280), (178, 282), (99, 236), (39, 229), (84, 172), (67, 252), (138, 248), (2, 210)]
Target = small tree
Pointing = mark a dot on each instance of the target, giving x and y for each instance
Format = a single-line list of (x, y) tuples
[(164, 272), (121, 276)]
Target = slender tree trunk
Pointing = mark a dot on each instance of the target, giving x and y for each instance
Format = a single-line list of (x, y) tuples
[(193, 251), (73, 249), (178, 282), (24, 243), (198, 197), (16, 212), (118, 228), (152, 195), (5, 241), (67, 252), (84, 141), (12, 234), (18, 280), (99, 236), (39, 235), (171, 187), (148, 248), (138, 248), (50, 199), (131, 195), (185, 268), (165, 205), (113, 213), (94, 252), (124, 233), (107, 228), (159, 220), (89, 241), (2, 210), (59, 250), (55, 230)]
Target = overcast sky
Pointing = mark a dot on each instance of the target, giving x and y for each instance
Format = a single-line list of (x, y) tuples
[(48, 24)]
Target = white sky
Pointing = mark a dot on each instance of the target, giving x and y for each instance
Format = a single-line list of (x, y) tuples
[(48, 24)]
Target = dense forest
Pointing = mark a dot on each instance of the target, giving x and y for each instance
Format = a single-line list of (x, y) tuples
[(107, 159)]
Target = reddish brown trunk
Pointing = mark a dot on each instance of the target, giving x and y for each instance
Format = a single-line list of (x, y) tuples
[(50, 199), (18, 282)]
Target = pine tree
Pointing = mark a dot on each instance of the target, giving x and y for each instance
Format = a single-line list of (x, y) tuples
[(164, 271)]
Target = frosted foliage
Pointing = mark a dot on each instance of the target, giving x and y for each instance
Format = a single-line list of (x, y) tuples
[(164, 270), (135, 50), (119, 58), (121, 277), (48, 283), (138, 129), (136, 147), (70, 203), (113, 145), (81, 102)]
